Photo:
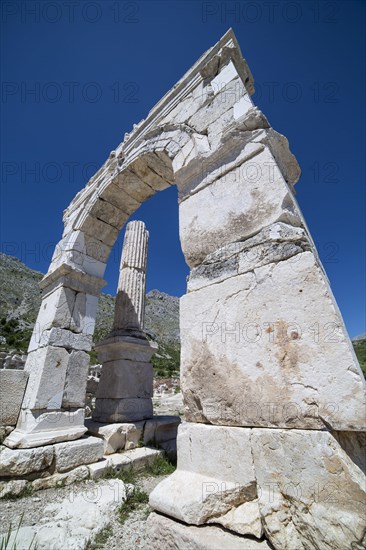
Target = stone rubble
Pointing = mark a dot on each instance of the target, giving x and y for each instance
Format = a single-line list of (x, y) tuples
[(72, 523)]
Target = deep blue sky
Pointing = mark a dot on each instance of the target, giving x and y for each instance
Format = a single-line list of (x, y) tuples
[(308, 62)]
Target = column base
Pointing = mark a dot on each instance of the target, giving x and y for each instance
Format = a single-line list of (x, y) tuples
[(38, 428), (122, 410)]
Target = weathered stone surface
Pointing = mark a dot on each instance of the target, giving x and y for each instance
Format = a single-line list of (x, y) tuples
[(69, 455), (312, 495), (274, 243), (12, 388), (47, 372), (81, 252), (161, 429), (137, 459), (98, 469), (13, 488), (72, 523), (245, 519), (61, 338), (93, 226), (5, 431), (133, 432), (60, 480), (113, 435), (125, 347), (38, 428), (214, 475), (257, 180), (126, 379), (130, 301), (122, 410), (76, 380), (178, 536), (269, 348), (21, 462)]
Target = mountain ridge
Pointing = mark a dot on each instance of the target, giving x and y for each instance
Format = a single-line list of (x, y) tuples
[(20, 299)]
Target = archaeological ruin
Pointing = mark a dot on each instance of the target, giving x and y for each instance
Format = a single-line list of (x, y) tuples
[(272, 450)]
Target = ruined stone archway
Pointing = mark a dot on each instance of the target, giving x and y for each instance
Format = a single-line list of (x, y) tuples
[(258, 369)]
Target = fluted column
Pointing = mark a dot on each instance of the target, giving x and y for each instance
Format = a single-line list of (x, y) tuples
[(126, 384), (129, 311)]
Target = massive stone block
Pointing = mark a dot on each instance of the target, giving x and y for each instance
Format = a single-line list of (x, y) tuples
[(214, 476), (12, 388), (302, 489), (176, 536), (267, 347), (312, 493)]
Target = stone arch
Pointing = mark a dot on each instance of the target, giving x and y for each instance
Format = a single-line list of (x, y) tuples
[(95, 217), (235, 178)]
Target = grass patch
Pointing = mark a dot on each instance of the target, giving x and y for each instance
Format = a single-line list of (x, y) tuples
[(127, 475), (26, 492), (160, 466), (101, 538), (7, 544), (134, 501)]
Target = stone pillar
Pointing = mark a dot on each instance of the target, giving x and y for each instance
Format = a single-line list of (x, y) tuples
[(58, 360), (129, 311), (126, 384)]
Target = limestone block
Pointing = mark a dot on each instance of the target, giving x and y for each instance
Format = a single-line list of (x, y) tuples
[(214, 475), (22, 462), (69, 455), (274, 243), (12, 388), (133, 432), (13, 488), (92, 226), (166, 533), (137, 459), (61, 338), (108, 213), (153, 171), (84, 313), (76, 380), (188, 106), (161, 429), (257, 181), (269, 348), (82, 252), (245, 519), (227, 96), (38, 428), (134, 186), (60, 480), (113, 435), (97, 469), (226, 75), (47, 373), (241, 107), (5, 431), (56, 309), (115, 194), (122, 410), (126, 379), (125, 347), (311, 493)]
